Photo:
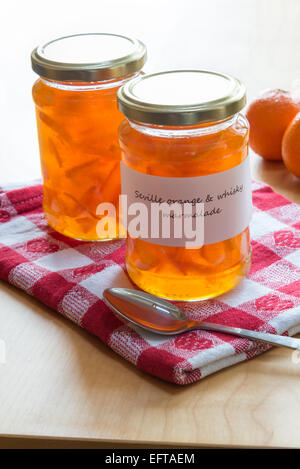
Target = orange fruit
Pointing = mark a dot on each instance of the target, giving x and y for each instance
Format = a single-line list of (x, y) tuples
[(291, 146), (269, 115)]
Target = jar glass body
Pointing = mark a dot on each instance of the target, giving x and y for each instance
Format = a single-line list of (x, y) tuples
[(79, 152), (177, 272)]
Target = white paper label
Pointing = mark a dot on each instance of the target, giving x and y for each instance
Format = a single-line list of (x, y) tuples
[(219, 205)]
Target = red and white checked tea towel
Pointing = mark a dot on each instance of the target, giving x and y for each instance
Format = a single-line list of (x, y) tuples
[(70, 276)]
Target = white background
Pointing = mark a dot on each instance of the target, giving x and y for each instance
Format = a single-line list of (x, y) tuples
[(232, 36)]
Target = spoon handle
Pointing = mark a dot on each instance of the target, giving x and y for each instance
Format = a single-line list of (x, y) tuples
[(272, 339)]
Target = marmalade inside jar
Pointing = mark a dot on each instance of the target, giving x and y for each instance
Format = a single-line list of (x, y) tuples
[(80, 154), (177, 272)]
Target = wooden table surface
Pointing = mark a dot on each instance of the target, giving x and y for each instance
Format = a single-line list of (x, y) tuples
[(61, 386)]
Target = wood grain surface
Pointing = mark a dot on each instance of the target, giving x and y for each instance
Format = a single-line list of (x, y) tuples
[(59, 386)]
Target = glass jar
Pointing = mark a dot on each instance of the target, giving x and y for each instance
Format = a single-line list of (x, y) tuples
[(77, 121), (185, 142)]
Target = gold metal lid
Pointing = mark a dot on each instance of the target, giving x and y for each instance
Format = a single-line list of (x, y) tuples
[(181, 97), (89, 57)]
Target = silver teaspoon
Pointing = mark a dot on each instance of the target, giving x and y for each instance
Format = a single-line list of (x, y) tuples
[(162, 317)]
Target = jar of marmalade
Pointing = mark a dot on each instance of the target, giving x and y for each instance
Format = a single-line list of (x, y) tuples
[(77, 121), (185, 163)]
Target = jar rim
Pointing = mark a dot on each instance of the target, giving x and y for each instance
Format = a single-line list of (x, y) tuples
[(181, 97), (130, 59)]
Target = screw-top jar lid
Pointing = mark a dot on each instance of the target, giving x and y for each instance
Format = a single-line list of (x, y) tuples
[(89, 57), (181, 97)]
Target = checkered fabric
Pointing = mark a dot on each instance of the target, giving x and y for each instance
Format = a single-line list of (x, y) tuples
[(69, 276)]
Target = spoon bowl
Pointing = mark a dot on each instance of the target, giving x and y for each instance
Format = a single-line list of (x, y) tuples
[(147, 311)]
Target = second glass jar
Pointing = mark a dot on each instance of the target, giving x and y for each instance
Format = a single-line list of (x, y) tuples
[(186, 125)]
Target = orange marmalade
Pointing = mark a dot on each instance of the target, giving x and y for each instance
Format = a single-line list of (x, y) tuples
[(186, 125), (77, 121)]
